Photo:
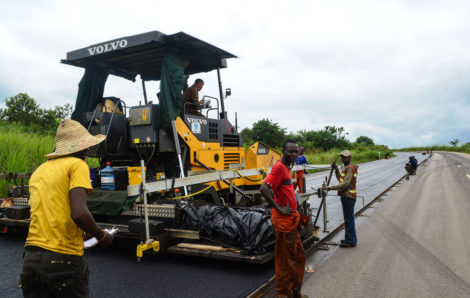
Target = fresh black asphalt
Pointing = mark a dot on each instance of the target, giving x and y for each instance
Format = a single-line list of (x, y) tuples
[(116, 273)]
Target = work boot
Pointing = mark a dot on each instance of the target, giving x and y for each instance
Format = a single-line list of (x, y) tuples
[(345, 245)]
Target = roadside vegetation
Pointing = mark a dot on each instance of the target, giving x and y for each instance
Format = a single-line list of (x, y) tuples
[(321, 146), (21, 151), (23, 110), (27, 133), (360, 154)]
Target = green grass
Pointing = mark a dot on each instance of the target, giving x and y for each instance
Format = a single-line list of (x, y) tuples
[(360, 154), (21, 151)]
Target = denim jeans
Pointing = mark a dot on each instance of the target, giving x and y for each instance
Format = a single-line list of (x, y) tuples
[(348, 214)]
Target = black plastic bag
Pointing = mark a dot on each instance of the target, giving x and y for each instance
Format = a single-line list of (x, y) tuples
[(248, 229)]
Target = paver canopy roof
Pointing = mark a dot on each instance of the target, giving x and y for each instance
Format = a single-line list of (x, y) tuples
[(142, 55)]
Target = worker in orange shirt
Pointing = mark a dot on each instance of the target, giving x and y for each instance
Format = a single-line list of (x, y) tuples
[(289, 255)]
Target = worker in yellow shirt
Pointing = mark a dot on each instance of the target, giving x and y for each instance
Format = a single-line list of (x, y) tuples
[(53, 264)]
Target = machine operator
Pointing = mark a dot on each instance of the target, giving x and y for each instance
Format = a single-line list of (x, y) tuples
[(191, 96)]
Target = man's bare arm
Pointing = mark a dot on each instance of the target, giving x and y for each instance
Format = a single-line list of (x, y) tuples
[(83, 218), (265, 190)]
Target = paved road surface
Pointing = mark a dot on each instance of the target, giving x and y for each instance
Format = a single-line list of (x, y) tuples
[(416, 243), (115, 272), (373, 178)]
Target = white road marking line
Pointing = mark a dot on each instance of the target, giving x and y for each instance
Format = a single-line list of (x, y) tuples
[(468, 176)]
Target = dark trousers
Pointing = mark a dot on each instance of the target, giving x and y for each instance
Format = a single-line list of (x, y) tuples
[(289, 263), (410, 169), (348, 214), (49, 274)]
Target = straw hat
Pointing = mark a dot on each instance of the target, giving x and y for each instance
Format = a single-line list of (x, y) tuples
[(345, 153), (73, 137)]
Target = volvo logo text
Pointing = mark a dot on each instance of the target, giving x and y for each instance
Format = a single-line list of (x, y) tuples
[(196, 120), (108, 47)]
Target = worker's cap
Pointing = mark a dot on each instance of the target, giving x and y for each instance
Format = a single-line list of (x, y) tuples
[(345, 153), (72, 137)]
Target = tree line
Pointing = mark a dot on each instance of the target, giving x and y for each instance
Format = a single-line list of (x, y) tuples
[(24, 110), (270, 133)]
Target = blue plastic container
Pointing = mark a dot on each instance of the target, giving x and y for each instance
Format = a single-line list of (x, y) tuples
[(107, 177)]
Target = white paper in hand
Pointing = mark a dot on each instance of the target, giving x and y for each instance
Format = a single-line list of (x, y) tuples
[(93, 241)]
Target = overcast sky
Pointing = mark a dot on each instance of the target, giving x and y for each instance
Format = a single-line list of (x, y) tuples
[(397, 71)]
